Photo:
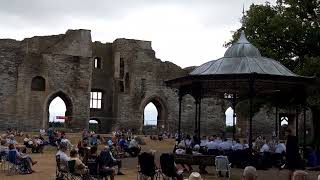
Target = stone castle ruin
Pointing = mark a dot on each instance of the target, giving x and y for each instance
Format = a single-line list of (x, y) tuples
[(108, 82)]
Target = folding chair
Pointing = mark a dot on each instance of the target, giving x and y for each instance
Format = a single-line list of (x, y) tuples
[(147, 167), (60, 173), (3, 160), (14, 165), (72, 171), (168, 168), (222, 165), (94, 171)]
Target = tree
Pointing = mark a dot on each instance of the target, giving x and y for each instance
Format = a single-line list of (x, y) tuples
[(290, 33)]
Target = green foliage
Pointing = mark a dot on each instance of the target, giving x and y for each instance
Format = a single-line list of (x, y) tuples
[(94, 127), (56, 124), (229, 129), (288, 31)]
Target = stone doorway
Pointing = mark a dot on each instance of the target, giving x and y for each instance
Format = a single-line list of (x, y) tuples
[(160, 115), (67, 117)]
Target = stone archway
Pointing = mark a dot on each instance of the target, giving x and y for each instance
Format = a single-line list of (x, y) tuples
[(69, 108), (162, 118)]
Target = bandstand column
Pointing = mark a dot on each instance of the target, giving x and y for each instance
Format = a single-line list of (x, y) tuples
[(304, 125), (199, 115), (251, 96), (297, 122), (179, 123), (276, 123), (196, 114), (234, 115)]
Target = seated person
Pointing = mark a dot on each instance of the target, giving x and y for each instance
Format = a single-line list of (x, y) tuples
[(92, 161), (196, 149), (225, 145), (280, 148), (23, 158), (105, 167), (79, 167), (11, 139), (250, 173), (134, 148), (64, 158), (238, 146), (37, 145), (123, 143), (27, 141), (3, 148), (203, 141), (107, 159), (180, 149), (64, 139), (212, 146)]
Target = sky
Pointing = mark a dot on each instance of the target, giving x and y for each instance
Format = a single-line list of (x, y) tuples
[(185, 32)]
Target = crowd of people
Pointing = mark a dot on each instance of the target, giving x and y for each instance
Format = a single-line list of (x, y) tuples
[(12, 151), (88, 161)]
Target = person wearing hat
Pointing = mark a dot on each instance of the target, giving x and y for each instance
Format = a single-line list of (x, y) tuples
[(194, 176)]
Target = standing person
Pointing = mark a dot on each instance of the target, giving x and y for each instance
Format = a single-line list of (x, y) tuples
[(292, 153)]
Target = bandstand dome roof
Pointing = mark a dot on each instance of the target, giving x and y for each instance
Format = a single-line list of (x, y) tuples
[(242, 58)]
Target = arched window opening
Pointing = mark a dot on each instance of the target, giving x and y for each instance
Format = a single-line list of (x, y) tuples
[(121, 68), (57, 110), (229, 117), (150, 115), (96, 99), (284, 121), (229, 120), (38, 83), (97, 63), (127, 82)]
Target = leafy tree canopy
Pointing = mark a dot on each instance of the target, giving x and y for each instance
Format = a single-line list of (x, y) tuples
[(288, 32)]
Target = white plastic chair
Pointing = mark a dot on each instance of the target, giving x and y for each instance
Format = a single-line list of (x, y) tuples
[(223, 165)]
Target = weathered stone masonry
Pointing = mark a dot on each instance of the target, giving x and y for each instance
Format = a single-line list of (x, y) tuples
[(129, 78)]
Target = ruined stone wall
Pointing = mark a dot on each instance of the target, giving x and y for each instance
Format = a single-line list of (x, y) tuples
[(102, 80), (130, 77), (63, 61), (146, 83), (10, 58)]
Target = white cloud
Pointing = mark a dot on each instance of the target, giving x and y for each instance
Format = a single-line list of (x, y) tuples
[(186, 32)]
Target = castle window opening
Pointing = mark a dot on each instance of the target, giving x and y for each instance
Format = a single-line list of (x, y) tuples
[(121, 68), (284, 121), (38, 83), (127, 81), (121, 86), (95, 99), (97, 63)]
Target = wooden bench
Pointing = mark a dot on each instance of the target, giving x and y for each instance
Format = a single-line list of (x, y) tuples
[(205, 160)]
